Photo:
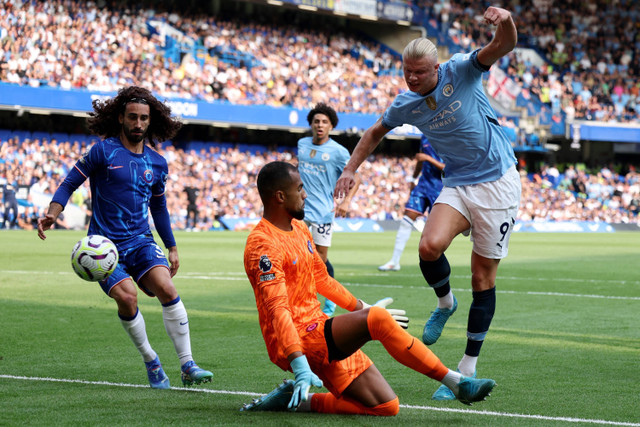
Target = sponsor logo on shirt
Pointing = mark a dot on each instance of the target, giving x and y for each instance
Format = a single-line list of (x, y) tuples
[(311, 327), (265, 264), (446, 116)]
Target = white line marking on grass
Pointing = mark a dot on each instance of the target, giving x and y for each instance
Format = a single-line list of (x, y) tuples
[(64, 380), (535, 417), (250, 394), (527, 279), (559, 294)]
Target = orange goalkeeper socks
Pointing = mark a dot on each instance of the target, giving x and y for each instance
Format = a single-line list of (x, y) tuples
[(402, 346), (327, 403)]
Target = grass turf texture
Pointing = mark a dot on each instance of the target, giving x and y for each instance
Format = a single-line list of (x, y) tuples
[(564, 342)]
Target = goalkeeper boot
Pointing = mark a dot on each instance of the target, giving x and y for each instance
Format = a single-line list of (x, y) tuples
[(390, 266), (329, 307), (444, 393), (277, 400), (192, 373), (433, 327), (474, 389), (157, 377)]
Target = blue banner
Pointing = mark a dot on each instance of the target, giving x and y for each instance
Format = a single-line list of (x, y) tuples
[(79, 101), (593, 131)]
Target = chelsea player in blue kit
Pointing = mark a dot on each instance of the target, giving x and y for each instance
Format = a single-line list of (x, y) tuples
[(481, 193), (428, 184), (127, 180), (320, 163)]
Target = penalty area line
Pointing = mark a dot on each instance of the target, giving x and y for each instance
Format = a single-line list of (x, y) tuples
[(250, 394)]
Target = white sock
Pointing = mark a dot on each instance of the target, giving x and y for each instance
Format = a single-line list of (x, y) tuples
[(177, 325), (467, 365), (138, 333), (404, 233), (446, 301), (451, 380)]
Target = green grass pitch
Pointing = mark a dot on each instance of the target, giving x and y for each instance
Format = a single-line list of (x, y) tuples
[(564, 346)]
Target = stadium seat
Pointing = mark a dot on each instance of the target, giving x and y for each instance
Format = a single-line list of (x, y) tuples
[(5, 134)]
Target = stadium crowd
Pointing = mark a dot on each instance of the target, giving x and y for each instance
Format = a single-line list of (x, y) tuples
[(591, 50), (225, 180), (591, 71)]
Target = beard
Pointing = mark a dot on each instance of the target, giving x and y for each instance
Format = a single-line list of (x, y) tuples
[(134, 139), (297, 214)]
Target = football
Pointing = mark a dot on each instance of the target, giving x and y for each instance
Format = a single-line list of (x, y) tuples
[(94, 258)]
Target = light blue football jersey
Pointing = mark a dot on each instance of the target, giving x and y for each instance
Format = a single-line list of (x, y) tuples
[(459, 121), (320, 166)]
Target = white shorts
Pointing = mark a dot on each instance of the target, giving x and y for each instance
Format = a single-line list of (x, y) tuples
[(490, 208), (321, 233)]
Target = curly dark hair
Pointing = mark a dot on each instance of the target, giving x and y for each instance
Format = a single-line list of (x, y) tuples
[(103, 121), (325, 109)]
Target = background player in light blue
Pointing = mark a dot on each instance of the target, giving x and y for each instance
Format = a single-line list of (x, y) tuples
[(481, 192), (423, 195), (127, 180), (320, 163)]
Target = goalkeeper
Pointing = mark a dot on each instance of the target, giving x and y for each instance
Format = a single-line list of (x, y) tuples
[(286, 272)]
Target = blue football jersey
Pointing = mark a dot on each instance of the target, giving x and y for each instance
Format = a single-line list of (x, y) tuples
[(459, 121), (430, 176), (122, 186), (320, 166)]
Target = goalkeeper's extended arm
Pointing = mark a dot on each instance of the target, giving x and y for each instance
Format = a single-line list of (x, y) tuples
[(399, 316), (305, 378)]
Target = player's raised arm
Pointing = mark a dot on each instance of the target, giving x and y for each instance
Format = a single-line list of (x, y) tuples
[(505, 38), (368, 142)]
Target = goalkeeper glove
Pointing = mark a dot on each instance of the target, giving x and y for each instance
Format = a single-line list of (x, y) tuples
[(399, 316), (305, 378)]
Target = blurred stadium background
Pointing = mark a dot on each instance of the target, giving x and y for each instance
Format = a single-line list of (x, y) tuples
[(243, 74)]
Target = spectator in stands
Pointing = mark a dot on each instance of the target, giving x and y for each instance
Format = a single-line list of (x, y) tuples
[(10, 201), (448, 104)]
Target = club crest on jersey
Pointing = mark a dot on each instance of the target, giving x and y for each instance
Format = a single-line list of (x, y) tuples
[(148, 176), (431, 102), (326, 157), (265, 264), (447, 90), (309, 246)]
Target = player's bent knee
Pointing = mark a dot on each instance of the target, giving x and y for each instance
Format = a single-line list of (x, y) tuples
[(380, 323), (428, 251), (388, 409)]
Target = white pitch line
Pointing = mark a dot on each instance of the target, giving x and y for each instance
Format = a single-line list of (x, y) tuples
[(250, 394), (557, 294)]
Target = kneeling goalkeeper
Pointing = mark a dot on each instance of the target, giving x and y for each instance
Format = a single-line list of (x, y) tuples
[(286, 274)]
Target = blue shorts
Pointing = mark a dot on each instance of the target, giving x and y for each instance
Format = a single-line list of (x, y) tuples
[(422, 198), (134, 262)]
